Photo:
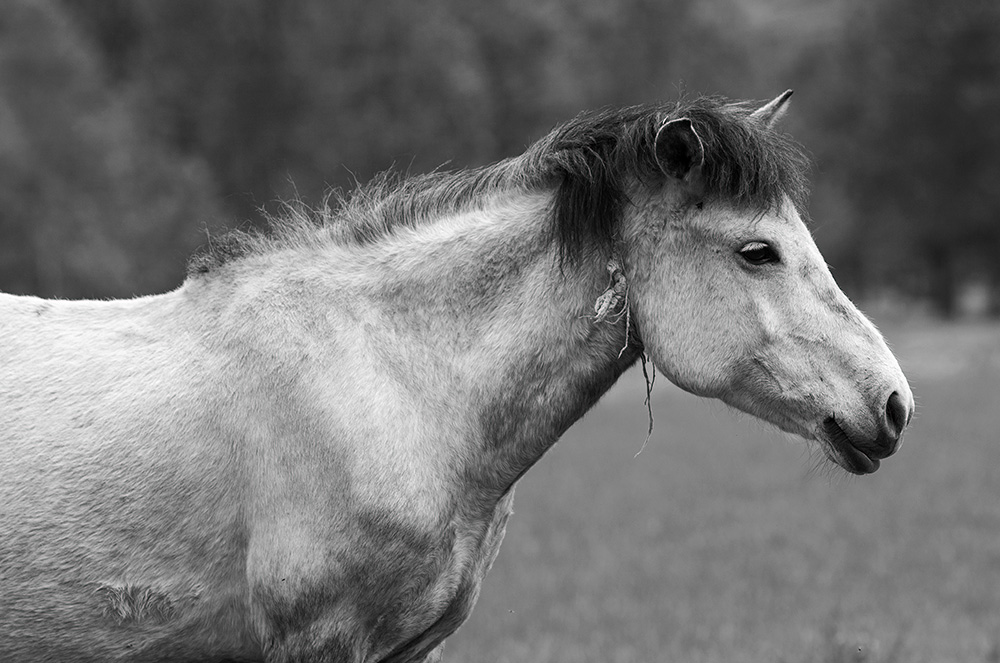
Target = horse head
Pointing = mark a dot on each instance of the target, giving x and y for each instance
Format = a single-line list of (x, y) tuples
[(734, 301)]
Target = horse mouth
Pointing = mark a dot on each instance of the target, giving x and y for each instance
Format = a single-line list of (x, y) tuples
[(842, 451)]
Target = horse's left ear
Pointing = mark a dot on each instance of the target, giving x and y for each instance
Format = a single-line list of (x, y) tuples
[(771, 112), (679, 150)]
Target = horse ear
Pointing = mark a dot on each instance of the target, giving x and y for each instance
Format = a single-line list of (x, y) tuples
[(771, 112), (679, 150)]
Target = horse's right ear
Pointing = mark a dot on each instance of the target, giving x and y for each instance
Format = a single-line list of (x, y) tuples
[(771, 112), (679, 150)]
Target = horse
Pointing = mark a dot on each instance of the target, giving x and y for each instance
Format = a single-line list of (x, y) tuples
[(308, 451)]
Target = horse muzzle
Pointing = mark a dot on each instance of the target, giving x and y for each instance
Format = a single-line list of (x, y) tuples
[(860, 454)]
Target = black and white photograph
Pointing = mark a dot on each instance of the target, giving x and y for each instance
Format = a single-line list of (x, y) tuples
[(499, 331)]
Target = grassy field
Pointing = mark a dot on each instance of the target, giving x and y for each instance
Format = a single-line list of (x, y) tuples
[(723, 542)]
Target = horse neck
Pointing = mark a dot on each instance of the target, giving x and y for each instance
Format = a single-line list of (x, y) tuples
[(480, 318)]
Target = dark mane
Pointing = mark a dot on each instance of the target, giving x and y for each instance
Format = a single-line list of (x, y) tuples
[(590, 161)]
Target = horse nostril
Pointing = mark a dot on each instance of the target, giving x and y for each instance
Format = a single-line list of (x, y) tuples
[(897, 415)]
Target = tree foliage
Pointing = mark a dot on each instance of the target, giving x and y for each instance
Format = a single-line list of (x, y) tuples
[(87, 206), (912, 136)]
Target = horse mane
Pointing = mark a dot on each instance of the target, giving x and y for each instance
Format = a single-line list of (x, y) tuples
[(590, 161)]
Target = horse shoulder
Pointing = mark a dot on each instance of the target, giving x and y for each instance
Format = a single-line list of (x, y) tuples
[(360, 540)]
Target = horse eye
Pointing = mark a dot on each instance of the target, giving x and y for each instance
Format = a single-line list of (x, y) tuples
[(759, 253)]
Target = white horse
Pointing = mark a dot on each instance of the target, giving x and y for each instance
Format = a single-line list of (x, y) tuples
[(308, 451)]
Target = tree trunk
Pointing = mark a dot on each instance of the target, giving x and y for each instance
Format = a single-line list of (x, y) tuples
[(941, 273)]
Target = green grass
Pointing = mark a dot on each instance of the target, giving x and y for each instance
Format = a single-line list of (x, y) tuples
[(722, 542)]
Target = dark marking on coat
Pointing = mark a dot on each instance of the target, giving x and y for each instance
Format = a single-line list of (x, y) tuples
[(518, 426), (383, 577), (134, 604)]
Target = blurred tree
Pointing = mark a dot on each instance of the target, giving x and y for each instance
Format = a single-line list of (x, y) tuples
[(210, 79), (295, 96), (113, 26), (916, 141), (88, 207), (392, 82)]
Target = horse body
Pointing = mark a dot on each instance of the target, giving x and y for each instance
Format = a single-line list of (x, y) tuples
[(348, 462), (308, 451)]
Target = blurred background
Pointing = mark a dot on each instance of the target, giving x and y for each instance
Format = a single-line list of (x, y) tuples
[(130, 128)]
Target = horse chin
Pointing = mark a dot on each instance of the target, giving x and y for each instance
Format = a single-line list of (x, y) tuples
[(835, 442), (839, 448)]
